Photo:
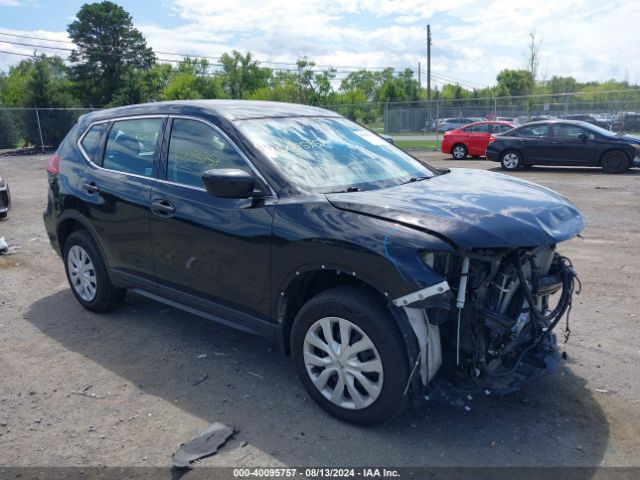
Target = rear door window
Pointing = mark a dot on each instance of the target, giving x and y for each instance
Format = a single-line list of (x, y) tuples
[(132, 145), (480, 128), (534, 131), (91, 141), (194, 148)]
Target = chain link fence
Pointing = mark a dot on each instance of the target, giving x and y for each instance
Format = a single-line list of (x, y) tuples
[(39, 128), (612, 110), (615, 110)]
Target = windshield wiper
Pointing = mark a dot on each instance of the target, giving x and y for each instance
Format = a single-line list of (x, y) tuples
[(348, 190), (416, 179)]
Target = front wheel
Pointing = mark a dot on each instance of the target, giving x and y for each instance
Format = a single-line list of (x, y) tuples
[(459, 151), (511, 160), (350, 356), (615, 162)]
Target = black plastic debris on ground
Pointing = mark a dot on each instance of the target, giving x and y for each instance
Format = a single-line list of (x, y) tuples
[(204, 445)]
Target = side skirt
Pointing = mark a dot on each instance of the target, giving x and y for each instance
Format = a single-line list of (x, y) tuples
[(237, 320)]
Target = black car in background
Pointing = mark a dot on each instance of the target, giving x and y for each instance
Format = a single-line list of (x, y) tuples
[(385, 279), (592, 119), (567, 143)]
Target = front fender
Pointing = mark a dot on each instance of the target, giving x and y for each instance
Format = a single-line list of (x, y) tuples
[(314, 235)]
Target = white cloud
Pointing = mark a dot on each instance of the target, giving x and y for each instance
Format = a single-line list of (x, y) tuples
[(472, 41)]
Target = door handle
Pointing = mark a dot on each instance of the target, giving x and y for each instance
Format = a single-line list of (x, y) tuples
[(163, 208), (90, 188), (556, 142)]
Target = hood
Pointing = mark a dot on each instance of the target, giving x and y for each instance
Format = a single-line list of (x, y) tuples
[(473, 209), (630, 138)]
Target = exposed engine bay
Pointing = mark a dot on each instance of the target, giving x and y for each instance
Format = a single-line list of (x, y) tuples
[(491, 329)]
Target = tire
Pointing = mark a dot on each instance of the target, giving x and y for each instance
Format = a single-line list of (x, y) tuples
[(615, 161), (4, 214), (511, 160), (87, 274), (366, 317), (459, 151)]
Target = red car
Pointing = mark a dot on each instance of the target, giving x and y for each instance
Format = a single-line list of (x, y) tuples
[(472, 139)]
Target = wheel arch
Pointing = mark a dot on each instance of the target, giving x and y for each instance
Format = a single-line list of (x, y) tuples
[(512, 149), (613, 149), (306, 284), (73, 221)]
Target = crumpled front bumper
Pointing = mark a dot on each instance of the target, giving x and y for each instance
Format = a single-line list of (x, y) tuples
[(5, 199)]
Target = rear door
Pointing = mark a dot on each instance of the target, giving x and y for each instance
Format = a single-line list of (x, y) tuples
[(573, 145), (535, 143), (478, 138), (117, 187), (211, 253)]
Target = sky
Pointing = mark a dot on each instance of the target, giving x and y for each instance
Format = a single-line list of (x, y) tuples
[(471, 40)]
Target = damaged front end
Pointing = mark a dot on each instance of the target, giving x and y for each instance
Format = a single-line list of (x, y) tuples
[(488, 326)]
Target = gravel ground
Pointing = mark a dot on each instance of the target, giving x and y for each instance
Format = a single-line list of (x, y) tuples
[(80, 389)]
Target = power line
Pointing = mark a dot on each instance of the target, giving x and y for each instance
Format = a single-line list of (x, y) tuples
[(16, 53), (217, 59), (468, 82), (450, 80), (343, 73)]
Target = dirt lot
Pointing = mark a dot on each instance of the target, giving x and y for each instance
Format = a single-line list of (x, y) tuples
[(81, 389)]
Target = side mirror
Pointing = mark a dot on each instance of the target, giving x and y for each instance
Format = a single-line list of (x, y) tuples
[(583, 136), (228, 183)]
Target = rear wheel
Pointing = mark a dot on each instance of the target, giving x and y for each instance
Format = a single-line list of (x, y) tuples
[(459, 151), (87, 274), (350, 356), (511, 160), (615, 161)]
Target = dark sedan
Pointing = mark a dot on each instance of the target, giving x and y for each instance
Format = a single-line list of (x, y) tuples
[(567, 143)]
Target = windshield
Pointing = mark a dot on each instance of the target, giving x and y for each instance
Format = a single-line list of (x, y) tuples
[(329, 154)]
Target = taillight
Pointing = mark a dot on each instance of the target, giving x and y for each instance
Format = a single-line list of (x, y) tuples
[(53, 164), (492, 138)]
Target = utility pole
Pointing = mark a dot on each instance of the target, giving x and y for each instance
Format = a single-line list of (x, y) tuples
[(419, 78), (429, 116), (428, 62)]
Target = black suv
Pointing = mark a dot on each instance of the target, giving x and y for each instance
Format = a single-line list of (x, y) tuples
[(386, 280)]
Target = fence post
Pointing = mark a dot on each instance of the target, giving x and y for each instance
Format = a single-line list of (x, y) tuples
[(385, 127), (39, 129), (437, 117)]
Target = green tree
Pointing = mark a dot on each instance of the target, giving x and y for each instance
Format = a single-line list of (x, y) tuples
[(562, 84), (516, 82), (108, 46), (191, 80), (241, 75)]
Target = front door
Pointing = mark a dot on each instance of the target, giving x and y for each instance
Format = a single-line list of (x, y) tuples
[(573, 145), (211, 253)]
